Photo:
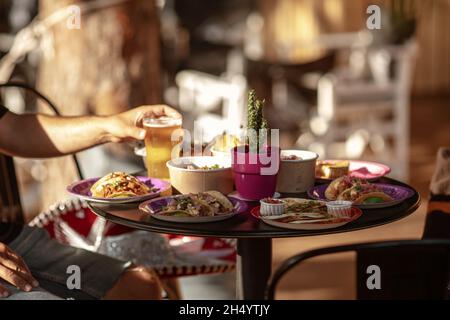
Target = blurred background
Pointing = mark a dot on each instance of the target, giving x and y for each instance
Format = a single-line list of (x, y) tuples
[(331, 85)]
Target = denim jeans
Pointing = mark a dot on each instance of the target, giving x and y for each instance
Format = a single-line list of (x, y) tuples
[(55, 265)]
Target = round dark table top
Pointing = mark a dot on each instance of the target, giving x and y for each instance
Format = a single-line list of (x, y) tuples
[(244, 225)]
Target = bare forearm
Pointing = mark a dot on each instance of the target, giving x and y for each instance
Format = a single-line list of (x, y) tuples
[(36, 135), (40, 136)]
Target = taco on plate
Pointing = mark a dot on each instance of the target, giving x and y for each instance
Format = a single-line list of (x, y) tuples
[(364, 193), (119, 185), (339, 185), (209, 203)]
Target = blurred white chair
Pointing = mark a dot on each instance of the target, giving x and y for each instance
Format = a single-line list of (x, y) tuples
[(371, 109), (215, 104)]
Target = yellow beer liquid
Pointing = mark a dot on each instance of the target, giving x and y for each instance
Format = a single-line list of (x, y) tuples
[(159, 146)]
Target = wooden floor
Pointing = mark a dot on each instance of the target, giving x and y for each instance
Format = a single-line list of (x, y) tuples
[(333, 277)]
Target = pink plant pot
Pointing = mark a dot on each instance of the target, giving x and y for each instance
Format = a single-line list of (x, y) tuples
[(255, 175)]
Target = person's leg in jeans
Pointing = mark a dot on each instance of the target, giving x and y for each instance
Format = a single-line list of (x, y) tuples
[(37, 294), (100, 277)]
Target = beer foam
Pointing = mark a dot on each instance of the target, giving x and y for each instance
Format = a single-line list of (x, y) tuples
[(162, 122)]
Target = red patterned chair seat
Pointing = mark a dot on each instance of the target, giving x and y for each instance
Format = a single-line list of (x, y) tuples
[(73, 223)]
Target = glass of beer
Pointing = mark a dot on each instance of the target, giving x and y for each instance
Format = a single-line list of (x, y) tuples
[(159, 145)]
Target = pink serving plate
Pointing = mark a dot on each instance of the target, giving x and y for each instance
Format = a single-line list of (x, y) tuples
[(363, 169)]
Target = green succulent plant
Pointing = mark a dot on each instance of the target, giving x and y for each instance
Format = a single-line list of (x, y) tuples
[(255, 121)]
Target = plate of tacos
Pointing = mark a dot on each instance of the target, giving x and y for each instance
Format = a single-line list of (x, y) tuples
[(361, 192), (118, 187), (208, 206), (305, 214)]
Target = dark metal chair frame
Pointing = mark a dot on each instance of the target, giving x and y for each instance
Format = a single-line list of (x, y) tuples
[(294, 261), (10, 205)]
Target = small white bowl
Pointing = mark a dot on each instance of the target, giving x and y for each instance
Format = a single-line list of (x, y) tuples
[(340, 208), (200, 180), (272, 209), (297, 175)]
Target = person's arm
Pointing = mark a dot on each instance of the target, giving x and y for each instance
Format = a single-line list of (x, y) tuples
[(39, 136)]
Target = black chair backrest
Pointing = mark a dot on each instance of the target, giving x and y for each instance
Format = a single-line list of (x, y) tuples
[(437, 222), (10, 206), (408, 269)]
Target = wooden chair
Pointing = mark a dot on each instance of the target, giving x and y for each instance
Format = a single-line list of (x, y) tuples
[(226, 92), (355, 112), (409, 269)]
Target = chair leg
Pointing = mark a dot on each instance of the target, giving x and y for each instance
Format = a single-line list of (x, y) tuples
[(172, 287)]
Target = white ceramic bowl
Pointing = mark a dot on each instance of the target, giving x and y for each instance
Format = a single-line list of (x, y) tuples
[(200, 180), (271, 209), (298, 175), (340, 208)]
